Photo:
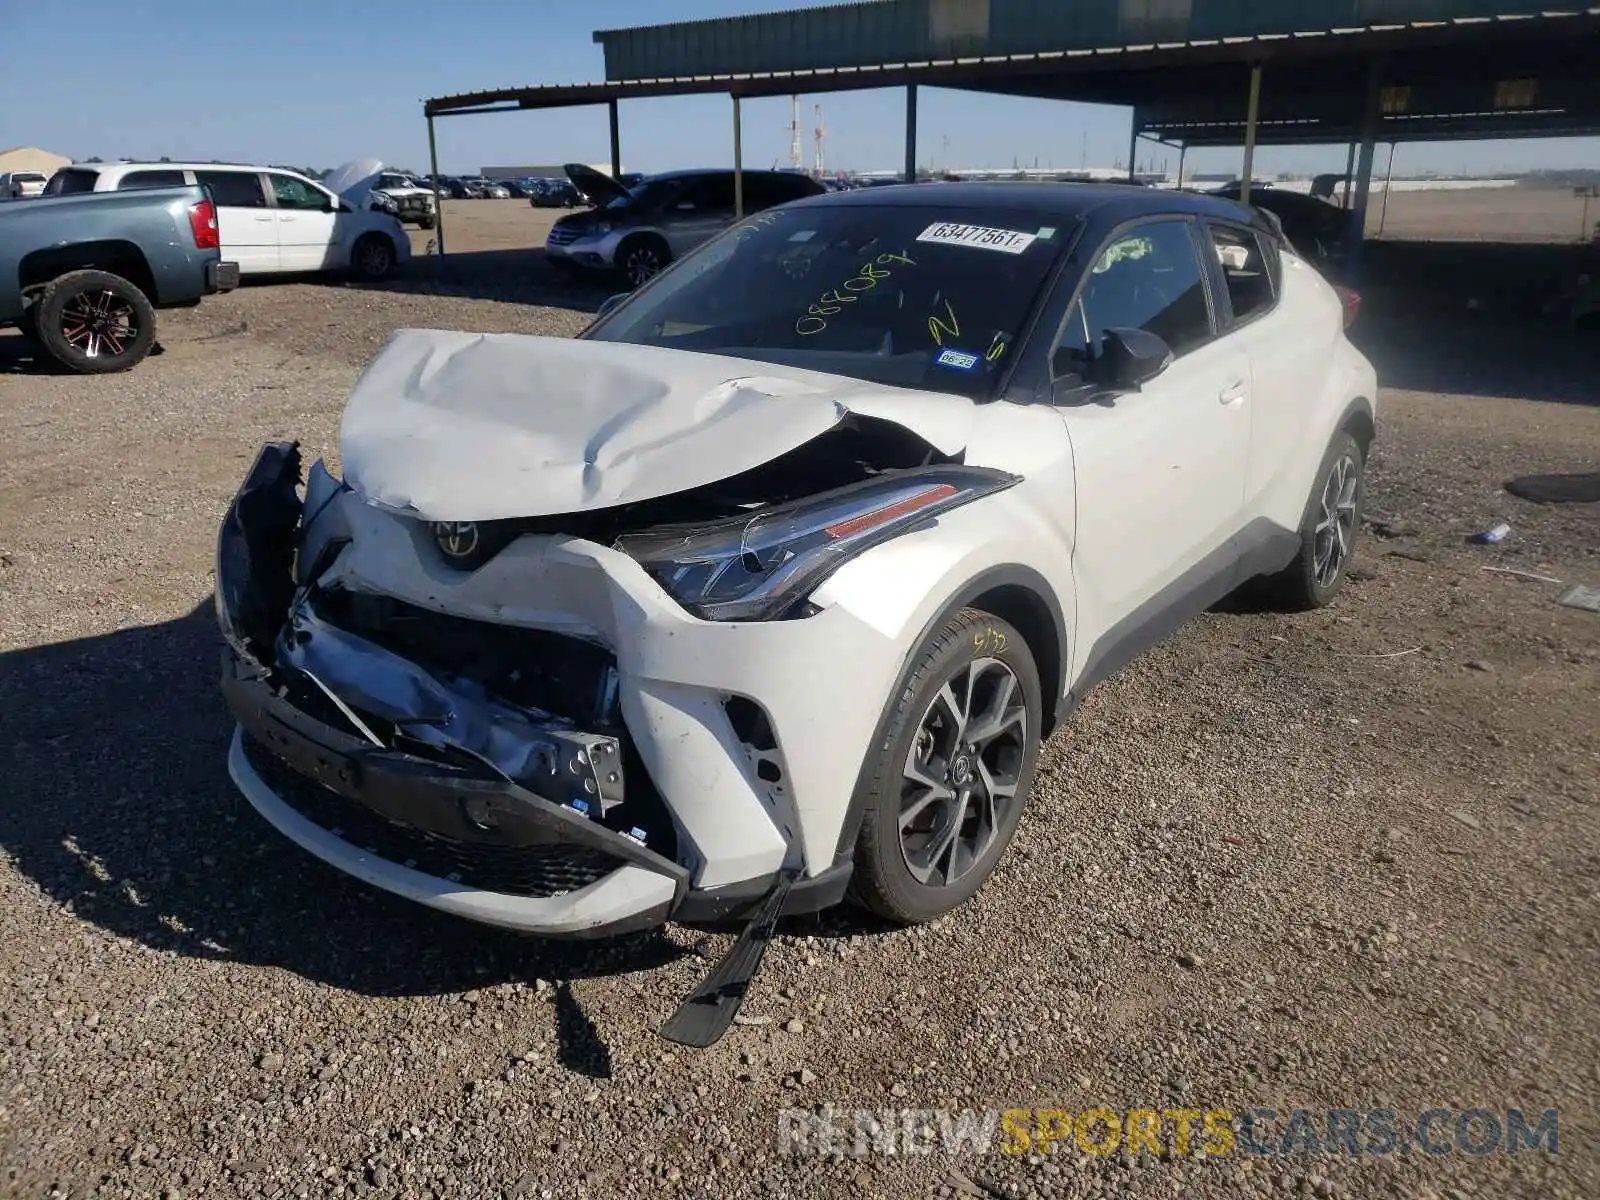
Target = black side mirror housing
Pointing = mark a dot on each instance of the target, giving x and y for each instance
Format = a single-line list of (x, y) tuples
[(609, 303), (1130, 358)]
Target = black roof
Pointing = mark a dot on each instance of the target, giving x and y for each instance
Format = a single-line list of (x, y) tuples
[(1116, 202)]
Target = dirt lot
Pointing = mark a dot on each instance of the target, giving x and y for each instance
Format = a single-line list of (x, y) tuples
[(1344, 859)]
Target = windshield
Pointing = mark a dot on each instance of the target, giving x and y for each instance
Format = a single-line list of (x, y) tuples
[(914, 296)]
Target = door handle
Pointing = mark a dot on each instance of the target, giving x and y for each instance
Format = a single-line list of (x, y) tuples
[(263, 220), (1234, 393)]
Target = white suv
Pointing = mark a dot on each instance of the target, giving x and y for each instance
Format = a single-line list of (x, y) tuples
[(768, 587), (271, 221)]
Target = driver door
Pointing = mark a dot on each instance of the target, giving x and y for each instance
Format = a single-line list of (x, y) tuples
[(307, 232), (1160, 473)]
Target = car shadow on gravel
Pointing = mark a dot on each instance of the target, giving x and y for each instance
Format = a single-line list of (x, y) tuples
[(1478, 319), (21, 355), (119, 807), (522, 276)]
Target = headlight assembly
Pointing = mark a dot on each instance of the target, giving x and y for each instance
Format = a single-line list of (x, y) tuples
[(758, 567)]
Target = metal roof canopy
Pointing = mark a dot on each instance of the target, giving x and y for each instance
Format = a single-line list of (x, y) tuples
[(1139, 76), (1461, 78)]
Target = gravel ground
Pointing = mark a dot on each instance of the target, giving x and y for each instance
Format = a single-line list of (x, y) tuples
[(1342, 859)]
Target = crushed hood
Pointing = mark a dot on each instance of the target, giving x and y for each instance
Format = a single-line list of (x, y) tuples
[(482, 427), (353, 181)]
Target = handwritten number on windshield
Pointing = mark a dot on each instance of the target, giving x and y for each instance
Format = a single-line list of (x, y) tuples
[(832, 302)]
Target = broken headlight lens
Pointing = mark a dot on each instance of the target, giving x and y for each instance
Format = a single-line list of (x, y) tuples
[(757, 567)]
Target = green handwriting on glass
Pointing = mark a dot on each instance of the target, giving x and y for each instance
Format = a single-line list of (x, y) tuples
[(832, 302)]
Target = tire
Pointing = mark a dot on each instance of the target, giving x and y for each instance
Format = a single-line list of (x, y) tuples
[(641, 259), (94, 322), (1317, 573), (372, 258), (425, 223), (927, 872)]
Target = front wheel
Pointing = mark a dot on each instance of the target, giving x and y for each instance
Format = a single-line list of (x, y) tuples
[(94, 322), (1327, 530), (642, 259), (952, 773), (372, 258)]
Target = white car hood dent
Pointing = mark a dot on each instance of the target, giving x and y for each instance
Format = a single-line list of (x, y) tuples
[(481, 427), (353, 181)]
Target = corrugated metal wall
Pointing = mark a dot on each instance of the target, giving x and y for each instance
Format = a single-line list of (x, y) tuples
[(891, 31)]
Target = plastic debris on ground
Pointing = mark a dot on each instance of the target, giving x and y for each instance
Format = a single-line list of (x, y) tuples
[(1579, 596)]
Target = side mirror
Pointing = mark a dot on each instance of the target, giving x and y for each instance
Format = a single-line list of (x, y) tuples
[(609, 303), (1130, 358)]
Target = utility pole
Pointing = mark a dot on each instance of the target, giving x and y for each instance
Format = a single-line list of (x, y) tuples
[(819, 159), (796, 153)]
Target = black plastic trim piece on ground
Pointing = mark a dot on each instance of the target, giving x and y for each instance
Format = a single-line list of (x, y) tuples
[(708, 1011)]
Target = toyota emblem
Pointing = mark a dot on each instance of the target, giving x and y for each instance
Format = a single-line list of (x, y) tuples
[(457, 539)]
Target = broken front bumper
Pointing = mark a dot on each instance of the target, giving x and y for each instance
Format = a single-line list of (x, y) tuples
[(422, 782)]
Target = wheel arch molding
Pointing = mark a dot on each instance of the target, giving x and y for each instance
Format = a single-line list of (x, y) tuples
[(1016, 594)]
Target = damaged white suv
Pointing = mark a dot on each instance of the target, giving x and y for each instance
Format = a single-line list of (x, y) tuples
[(768, 587)]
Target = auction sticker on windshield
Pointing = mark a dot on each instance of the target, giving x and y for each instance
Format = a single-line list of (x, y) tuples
[(951, 233)]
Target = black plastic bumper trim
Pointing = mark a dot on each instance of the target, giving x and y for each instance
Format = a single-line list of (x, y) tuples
[(419, 792)]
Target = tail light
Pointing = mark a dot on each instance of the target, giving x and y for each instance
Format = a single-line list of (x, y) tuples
[(1352, 304), (203, 220)]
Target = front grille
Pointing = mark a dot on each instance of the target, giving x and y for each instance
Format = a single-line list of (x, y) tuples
[(562, 237), (530, 668), (535, 871)]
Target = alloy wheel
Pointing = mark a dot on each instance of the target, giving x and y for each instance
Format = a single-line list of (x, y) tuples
[(99, 322), (1336, 525), (643, 265), (962, 772)]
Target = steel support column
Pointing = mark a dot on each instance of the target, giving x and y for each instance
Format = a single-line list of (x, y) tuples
[(1349, 177), (738, 165), (1183, 149), (1251, 118), (1133, 145), (911, 133), (438, 204), (1369, 145), (616, 141)]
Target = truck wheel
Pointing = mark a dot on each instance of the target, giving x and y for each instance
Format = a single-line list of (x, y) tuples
[(372, 257), (94, 322)]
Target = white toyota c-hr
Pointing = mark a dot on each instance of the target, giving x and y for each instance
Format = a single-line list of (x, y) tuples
[(767, 588)]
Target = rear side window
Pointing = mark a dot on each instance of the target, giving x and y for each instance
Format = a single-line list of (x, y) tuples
[(150, 179), (1247, 269), (234, 189), (70, 183)]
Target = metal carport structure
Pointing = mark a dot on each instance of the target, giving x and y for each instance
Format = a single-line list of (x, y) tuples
[(1194, 72)]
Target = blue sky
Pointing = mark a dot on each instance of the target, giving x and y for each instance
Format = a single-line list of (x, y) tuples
[(317, 82)]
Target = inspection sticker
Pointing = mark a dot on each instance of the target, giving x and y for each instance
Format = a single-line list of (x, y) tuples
[(951, 233), (959, 359)]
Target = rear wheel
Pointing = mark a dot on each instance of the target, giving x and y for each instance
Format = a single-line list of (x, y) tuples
[(1327, 531), (953, 771), (94, 322)]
